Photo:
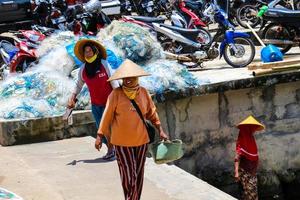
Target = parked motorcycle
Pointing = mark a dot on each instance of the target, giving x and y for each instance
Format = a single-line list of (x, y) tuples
[(177, 20), (87, 19), (18, 57), (51, 14), (185, 18), (46, 31), (249, 10), (236, 47), (281, 27), (141, 7), (197, 7), (193, 20)]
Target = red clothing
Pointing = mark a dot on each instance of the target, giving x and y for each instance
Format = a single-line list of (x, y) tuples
[(246, 148), (245, 144), (98, 86)]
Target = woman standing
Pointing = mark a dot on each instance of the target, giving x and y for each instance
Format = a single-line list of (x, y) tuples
[(127, 132), (95, 73), (246, 160)]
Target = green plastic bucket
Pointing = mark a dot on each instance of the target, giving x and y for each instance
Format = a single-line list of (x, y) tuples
[(166, 151)]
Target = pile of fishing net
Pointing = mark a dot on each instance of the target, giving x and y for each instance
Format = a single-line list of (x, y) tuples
[(44, 90), (34, 94), (133, 41), (168, 76)]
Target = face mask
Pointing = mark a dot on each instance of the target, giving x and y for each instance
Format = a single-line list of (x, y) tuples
[(92, 59)]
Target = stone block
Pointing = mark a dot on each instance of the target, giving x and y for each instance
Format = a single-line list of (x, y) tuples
[(45, 129), (284, 126), (235, 118), (83, 117), (34, 130), (258, 104), (279, 152), (285, 93), (223, 135), (238, 101), (203, 113), (292, 110)]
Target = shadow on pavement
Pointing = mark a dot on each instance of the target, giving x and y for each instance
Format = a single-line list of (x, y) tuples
[(97, 160)]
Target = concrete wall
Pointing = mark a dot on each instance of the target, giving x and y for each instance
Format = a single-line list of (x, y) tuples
[(206, 124), (46, 129)]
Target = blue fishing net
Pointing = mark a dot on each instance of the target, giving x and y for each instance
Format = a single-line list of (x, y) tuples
[(136, 42), (34, 94), (44, 93), (169, 76)]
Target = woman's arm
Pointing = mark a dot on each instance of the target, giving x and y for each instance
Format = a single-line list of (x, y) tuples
[(106, 121), (108, 115), (79, 83), (153, 117), (236, 167), (78, 87)]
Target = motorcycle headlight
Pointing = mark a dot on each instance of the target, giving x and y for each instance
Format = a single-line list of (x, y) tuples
[(149, 9)]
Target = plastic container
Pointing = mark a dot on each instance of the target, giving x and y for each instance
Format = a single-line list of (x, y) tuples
[(271, 53), (166, 151)]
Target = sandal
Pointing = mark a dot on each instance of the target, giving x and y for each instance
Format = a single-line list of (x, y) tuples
[(109, 156)]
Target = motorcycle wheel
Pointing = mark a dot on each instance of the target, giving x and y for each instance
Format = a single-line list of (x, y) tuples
[(272, 32), (245, 47), (25, 64), (204, 37), (247, 14), (169, 46), (297, 6)]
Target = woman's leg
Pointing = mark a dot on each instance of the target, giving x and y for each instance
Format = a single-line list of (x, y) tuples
[(131, 162), (141, 158), (127, 169), (249, 183), (97, 113)]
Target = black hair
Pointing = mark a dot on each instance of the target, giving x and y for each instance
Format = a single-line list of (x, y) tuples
[(92, 68)]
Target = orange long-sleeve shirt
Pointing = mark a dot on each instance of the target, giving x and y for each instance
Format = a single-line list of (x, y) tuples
[(121, 122)]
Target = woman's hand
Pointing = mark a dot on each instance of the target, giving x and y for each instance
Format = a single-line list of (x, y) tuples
[(98, 142), (72, 101), (237, 176), (163, 135)]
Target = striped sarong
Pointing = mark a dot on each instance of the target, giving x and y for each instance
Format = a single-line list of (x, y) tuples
[(131, 162)]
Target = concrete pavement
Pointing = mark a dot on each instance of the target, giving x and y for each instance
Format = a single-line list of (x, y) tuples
[(72, 169)]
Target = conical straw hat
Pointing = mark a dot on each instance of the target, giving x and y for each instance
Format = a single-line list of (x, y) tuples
[(78, 49), (128, 69), (250, 120)]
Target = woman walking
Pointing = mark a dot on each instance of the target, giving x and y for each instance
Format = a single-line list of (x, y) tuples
[(246, 160), (127, 132), (95, 73)]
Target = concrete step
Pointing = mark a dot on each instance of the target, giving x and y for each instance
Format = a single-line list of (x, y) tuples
[(72, 169)]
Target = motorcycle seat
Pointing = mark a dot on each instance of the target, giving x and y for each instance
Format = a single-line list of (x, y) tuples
[(193, 4), (149, 19), (189, 33), (181, 30), (279, 12)]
